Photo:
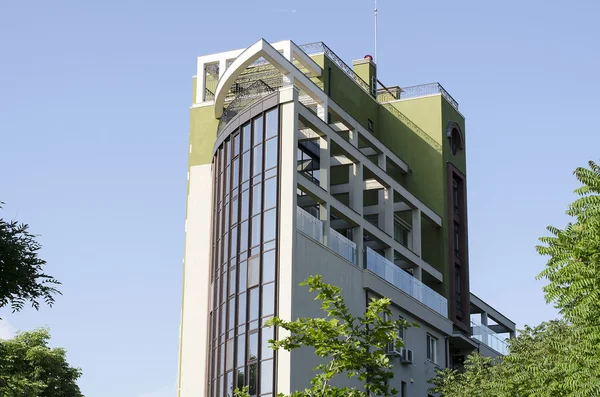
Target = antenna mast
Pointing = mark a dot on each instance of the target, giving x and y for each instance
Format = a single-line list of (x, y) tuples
[(375, 31)]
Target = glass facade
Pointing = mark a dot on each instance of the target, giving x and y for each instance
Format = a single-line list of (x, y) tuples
[(244, 258)]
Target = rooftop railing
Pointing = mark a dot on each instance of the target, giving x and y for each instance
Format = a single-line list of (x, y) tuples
[(406, 283), (320, 47), (489, 338), (423, 90)]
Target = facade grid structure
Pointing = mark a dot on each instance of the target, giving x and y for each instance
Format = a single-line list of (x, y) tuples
[(298, 165)]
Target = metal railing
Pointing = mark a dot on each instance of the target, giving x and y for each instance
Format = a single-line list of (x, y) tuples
[(342, 246), (489, 338), (309, 225), (247, 96), (423, 90), (320, 47), (405, 282)]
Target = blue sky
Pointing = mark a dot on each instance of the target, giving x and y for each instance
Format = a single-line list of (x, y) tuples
[(94, 102)]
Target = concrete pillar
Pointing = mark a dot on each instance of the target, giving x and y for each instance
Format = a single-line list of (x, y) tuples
[(356, 187), (484, 319), (353, 137), (415, 232), (382, 161), (357, 238), (325, 218), (200, 83), (322, 110), (287, 223), (325, 162)]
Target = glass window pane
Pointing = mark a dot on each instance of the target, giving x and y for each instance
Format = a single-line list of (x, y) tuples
[(271, 153), (256, 199), (253, 270), (241, 379), (234, 211), (229, 356), (231, 312), (243, 236), (236, 173), (258, 130), (270, 193), (242, 280), (241, 352), (266, 376), (255, 231), (253, 314), (234, 241), (252, 378), (268, 266), (257, 160), (265, 350), (236, 144), (270, 224), (246, 167), (253, 346), (230, 384), (268, 299), (227, 180), (221, 359), (246, 137), (272, 121), (232, 281), (270, 173), (242, 308), (245, 204)]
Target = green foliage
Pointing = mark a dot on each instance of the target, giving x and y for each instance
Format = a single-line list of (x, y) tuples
[(21, 276), (558, 358), (539, 364), (352, 346), (29, 368), (573, 269)]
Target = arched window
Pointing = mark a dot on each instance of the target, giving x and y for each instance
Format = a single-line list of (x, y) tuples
[(455, 137)]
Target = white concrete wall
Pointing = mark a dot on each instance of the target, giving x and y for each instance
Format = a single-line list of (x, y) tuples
[(193, 339), (312, 258)]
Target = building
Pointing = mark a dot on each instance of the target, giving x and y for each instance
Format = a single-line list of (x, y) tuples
[(300, 164)]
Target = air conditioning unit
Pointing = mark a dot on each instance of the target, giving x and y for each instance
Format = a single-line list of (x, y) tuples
[(406, 356), (392, 350)]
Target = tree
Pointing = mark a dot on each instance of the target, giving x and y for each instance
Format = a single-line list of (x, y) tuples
[(21, 270), (354, 346), (29, 368), (537, 365), (558, 358)]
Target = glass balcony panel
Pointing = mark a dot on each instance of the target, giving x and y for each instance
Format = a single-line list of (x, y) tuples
[(405, 282)]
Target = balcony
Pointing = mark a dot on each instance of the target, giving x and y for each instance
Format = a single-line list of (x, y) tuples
[(313, 228), (406, 283), (488, 337)]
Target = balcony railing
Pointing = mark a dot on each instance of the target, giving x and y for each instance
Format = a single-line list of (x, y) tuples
[(309, 225), (313, 228), (342, 246), (405, 282), (489, 338)]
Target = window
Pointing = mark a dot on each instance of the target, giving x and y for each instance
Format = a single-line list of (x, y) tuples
[(253, 270), (455, 196), (455, 141), (403, 389), (272, 123), (456, 239), (370, 125), (457, 290), (432, 348)]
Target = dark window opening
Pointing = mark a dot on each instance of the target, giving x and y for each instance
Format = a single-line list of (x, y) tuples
[(309, 159)]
